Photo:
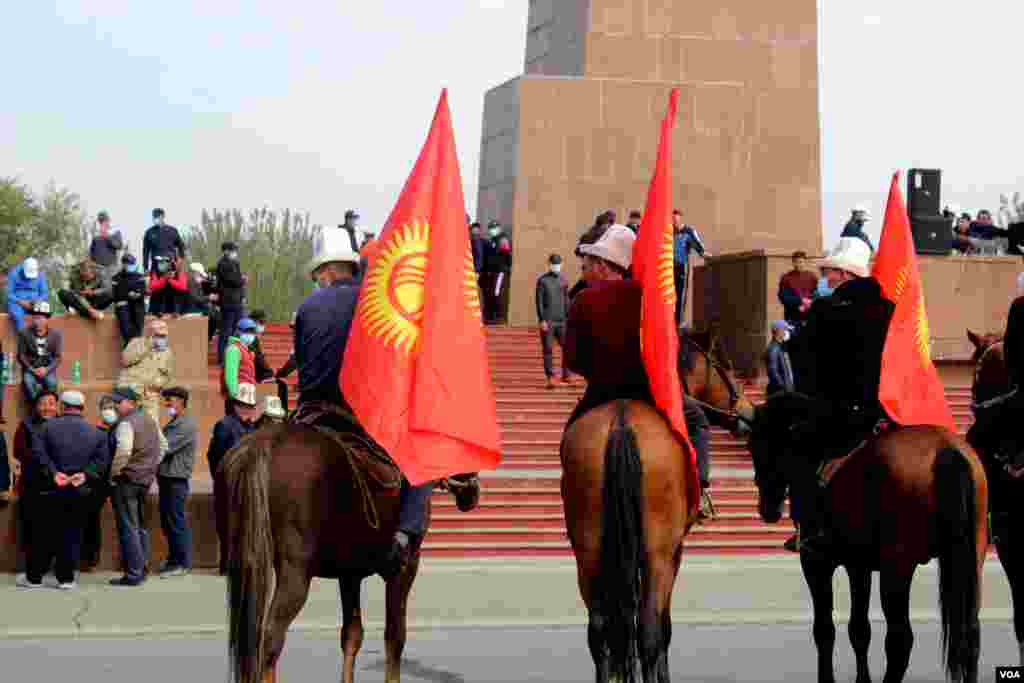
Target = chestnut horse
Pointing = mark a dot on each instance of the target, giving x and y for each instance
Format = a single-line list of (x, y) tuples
[(626, 490), (991, 385), (299, 509), (906, 496)]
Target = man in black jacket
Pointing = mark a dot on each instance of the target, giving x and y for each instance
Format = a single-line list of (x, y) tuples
[(226, 435), (129, 299), (552, 312), (263, 369), (70, 453), (497, 270), (230, 295), (838, 362), (161, 245)]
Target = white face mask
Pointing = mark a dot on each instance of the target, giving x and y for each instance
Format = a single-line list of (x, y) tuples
[(785, 336), (158, 221), (109, 415), (495, 232), (556, 268)]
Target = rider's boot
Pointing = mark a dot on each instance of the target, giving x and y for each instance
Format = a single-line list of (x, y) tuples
[(412, 526), (815, 534)]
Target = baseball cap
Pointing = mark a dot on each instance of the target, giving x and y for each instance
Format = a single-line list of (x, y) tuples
[(124, 394), (247, 325), (175, 392), (782, 325), (73, 398)]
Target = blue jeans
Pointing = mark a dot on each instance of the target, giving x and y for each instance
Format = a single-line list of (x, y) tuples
[(412, 508), (34, 385), (173, 495), (17, 314), (130, 510)]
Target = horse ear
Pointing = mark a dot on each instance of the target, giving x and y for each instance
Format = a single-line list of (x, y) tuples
[(974, 339)]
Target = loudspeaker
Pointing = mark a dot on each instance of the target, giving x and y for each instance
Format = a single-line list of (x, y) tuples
[(932, 234), (923, 189)]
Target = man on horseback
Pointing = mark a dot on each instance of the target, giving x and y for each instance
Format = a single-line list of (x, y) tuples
[(838, 359), (322, 326), (603, 340)]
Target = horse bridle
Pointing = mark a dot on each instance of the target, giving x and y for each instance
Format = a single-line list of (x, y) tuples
[(989, 403), (734, 395)]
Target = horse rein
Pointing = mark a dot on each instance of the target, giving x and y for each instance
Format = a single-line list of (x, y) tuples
[(734, 396), (977, 405)]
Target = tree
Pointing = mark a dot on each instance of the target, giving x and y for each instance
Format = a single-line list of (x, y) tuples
[(18, 211), (274, 249)]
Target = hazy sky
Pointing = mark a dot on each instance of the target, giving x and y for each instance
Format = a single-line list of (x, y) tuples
[(323, 106)]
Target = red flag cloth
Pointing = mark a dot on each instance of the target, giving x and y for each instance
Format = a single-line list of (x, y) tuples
[(415, 370), (910, 389), (653, 269)]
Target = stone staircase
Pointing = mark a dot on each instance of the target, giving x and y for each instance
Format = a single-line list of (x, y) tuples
[(520, 512)]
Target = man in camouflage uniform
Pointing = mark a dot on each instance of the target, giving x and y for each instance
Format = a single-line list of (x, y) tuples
[(147, 366), (89, 292)]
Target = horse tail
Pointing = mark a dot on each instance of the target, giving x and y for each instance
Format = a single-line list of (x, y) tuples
[(250, 556), (958, 561), (623, 561)]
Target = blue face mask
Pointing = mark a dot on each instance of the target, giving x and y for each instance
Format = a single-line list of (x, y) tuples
[(131, 267), (248, 339), (823, 288)]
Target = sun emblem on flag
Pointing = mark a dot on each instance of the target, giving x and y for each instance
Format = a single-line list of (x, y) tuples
[(395, 288), (922, 335), (666, 269)]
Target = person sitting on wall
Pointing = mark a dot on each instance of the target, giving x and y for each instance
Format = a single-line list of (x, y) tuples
[(25, 286), (129, 299), (89, 291), (147, 366), (39, 352)]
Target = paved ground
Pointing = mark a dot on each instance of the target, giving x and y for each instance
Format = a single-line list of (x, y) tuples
[(499, 592), (704, 654)]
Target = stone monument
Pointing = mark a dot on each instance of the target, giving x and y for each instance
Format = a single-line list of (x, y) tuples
[(577, 134)]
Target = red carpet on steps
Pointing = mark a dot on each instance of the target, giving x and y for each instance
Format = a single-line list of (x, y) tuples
[(520, 512)]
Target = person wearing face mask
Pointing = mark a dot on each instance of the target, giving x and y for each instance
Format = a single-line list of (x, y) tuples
[(39, 352), (859, 217), (239, 363), (230, 295), (497, 269), (552, 297), (28, 477), (161, 246), (147, 365), (228, 431), (780, 370), (129, 299), (105, 245), (173, 480), (92, 539), (25, 286)]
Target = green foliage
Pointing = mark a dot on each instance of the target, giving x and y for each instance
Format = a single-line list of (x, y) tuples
[(274, 249), (53, 227)]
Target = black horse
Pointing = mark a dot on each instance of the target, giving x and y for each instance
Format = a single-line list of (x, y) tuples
[(901, 499)]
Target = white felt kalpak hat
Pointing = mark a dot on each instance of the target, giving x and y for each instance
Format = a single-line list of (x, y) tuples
[(615, 245), (337, 246), (851, 255)]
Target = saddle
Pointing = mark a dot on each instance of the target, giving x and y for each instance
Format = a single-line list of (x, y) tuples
[(369, 461), (828, 469)]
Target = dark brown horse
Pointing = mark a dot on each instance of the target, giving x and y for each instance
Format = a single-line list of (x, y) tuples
[(299, 509), (992, 386), (707, 375), (626, 489), (905, 497)]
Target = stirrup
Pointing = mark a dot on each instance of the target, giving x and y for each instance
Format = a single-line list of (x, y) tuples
[(706, 509)]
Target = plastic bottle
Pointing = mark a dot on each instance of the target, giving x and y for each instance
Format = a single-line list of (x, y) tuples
[(76, 372)]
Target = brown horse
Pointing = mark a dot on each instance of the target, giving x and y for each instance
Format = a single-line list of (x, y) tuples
[(991, 387), (905, 497), (298, 509), (626, 494), (627, 497), (707, 375)]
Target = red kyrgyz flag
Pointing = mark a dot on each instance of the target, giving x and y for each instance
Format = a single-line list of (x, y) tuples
[(415, 370), (653, 269), (910, 389)]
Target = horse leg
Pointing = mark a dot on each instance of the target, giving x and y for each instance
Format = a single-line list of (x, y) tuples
[(654, 609), (289, 596), (860, 626), (818, 574), (396, 600), (899, 635), (351, 625), (1013, 567)]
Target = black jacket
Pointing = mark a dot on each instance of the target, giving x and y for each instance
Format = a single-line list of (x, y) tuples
[(71, 445), (263, 369), (226, 435), (1013, 341), (129, 287), (552, 298), (838, 354), (230, 285), (498, 254), (780, 369), (161, 240)]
